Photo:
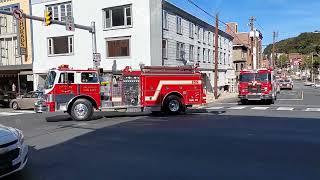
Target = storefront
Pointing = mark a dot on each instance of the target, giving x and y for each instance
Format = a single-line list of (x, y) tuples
[(16, 78)]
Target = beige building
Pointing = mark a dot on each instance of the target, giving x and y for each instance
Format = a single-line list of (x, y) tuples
[(15, 67)]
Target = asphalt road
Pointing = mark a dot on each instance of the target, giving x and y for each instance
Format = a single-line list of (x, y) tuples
[(206, 143)]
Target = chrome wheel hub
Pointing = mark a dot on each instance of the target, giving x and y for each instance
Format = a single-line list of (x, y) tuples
[(174, 105), (81, 110)]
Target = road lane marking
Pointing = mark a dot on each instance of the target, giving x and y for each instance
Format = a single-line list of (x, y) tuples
[(238, 107), (313, 109), (214, 108), (260, 108), (9, 114), (285, 109)]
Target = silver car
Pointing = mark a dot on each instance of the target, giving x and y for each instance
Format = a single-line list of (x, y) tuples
[(26, 101), (13, 151)]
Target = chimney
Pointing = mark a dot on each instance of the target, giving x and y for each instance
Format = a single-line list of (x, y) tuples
[(232, 28)]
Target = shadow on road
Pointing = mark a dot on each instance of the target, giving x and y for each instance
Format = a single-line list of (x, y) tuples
[(100, 115), (195, 147)]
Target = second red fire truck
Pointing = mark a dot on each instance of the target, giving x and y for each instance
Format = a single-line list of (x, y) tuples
[(81, 92), (257, 85)]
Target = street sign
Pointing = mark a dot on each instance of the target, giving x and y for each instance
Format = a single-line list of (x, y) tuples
[(18, 14), (22, 36), (96, 59), (70, 24)]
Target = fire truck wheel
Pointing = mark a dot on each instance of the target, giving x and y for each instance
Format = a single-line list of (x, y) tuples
[(81, 110), (173, 105)]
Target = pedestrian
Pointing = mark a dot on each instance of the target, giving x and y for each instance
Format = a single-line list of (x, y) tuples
[(14, 87)]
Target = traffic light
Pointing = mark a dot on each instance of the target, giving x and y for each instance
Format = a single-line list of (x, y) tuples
[(48, 18)]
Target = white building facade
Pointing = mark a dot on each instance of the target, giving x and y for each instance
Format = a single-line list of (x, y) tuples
[(189, 40), (129, 33)]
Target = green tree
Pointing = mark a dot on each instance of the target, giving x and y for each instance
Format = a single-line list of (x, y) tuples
[(283, 61)]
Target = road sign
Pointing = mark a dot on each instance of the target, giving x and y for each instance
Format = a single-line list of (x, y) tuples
[(18, 14), (96, 59), (22, 36), (70, 24)]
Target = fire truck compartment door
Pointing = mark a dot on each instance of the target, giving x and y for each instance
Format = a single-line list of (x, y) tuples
[(66, 89), (193, 97)]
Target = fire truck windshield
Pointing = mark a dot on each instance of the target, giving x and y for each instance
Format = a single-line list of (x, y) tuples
[(263, 77), (246, 77), (50, 80)]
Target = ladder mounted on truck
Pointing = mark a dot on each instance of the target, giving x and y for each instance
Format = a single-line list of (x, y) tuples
[(167, 69)]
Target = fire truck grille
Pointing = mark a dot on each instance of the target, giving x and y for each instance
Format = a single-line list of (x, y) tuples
[(254, 89)]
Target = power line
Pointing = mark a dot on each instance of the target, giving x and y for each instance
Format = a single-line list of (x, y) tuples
[(209, 14), (259, 25)]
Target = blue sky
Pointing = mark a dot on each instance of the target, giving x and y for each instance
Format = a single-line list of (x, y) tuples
[(288, 17)]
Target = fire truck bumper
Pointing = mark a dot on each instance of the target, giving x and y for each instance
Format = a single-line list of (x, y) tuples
[(254, 97), (40, 107)]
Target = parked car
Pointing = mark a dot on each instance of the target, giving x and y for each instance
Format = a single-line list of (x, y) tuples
[(6, 97), (308, 83), (286, 83), (26, 101), (13, 151)]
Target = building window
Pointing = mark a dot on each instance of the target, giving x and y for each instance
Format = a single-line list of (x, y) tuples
[(198, 54), (62, 45), (204, 55), (118, 17), (191, 30), (220, 58), (199, 33), (180, 51), (191, 53), (165, 20), (179, 25), (60, 11), (209, 56), (118, 48), (204, 36), (224, 58), (165, 48), (89, 78)]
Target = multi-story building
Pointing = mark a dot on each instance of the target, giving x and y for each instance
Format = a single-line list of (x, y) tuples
[(15, 68), (243, 39), (240, 56), (189, 40), (129, 33)]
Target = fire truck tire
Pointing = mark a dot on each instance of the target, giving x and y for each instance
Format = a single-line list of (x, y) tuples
[(81, 110), (173, 105)]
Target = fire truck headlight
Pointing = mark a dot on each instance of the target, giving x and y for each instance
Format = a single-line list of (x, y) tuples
[(265, 89)]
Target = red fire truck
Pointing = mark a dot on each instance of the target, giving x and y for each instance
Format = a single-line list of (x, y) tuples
[(257, 85), (81, 92)]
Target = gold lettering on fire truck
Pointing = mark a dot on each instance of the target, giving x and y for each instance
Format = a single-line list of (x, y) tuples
[(89, 89)]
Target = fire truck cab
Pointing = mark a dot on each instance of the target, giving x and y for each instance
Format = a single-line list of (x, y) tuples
[(81, 92), (257, 85)]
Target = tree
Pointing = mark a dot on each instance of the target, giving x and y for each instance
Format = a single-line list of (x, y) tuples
[(283, 60)]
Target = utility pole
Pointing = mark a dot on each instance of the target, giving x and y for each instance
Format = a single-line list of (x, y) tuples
[(252, 39), (312, 68), (273, 59), (216, 56)]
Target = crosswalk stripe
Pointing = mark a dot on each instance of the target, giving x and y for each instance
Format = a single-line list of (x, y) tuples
[(214, 108), (285, 109), (238, 107), (260, 108), (313, 109), (9, 114)]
